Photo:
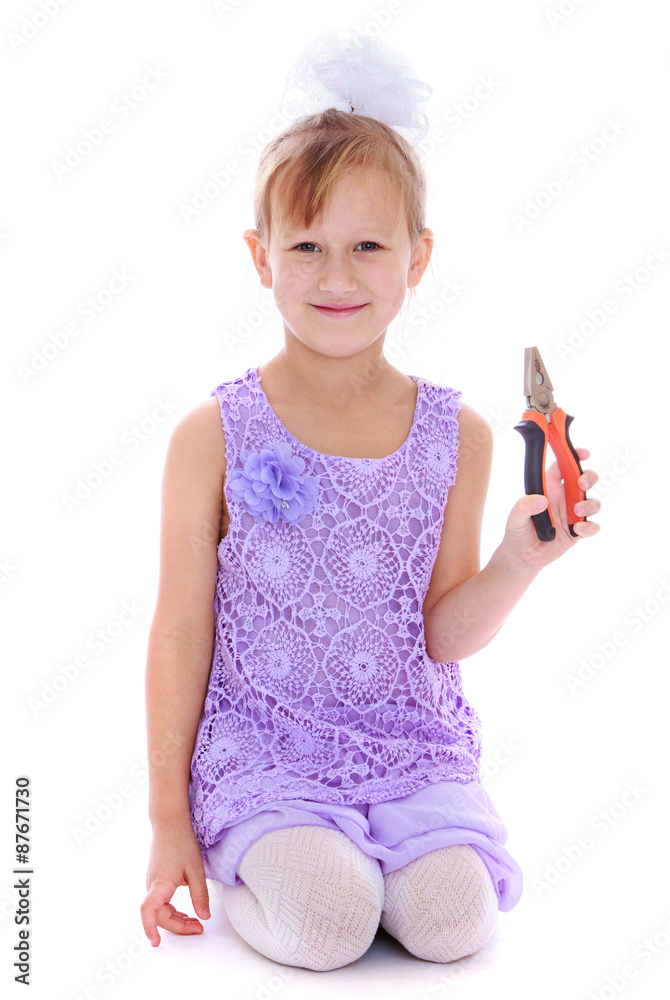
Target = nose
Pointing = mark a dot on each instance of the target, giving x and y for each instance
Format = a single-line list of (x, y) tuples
[(337, 274)]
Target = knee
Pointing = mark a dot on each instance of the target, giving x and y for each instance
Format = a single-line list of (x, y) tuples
[(312, 898), (443, 906)]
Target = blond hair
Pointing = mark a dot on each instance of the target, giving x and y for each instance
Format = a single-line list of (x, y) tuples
[(299, 167)]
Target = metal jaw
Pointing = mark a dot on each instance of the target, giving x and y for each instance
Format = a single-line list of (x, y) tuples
[(537, 385)]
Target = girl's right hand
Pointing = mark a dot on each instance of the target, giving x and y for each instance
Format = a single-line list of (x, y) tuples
[(175, 859)]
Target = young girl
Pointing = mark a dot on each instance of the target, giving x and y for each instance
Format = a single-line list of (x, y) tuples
[(320, 580)]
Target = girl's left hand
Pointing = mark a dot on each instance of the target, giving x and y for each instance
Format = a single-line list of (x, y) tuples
[(521, 542)]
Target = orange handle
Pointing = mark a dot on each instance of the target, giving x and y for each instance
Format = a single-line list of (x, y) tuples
[(568, 462), (537, 433)]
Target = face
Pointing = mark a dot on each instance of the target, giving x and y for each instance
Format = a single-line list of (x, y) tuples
[(339, 282)]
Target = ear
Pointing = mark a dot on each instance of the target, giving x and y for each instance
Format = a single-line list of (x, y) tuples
[(259, 256), (420, 258)]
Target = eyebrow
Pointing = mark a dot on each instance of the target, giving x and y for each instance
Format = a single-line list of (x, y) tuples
[(370, 227)]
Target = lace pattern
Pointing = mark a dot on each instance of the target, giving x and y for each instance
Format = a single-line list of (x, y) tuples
[(321, 686)]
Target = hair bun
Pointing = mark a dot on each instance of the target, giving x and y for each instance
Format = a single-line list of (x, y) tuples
[(349, 71)]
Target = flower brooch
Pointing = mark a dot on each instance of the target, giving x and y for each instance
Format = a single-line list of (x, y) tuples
[(271, 485)]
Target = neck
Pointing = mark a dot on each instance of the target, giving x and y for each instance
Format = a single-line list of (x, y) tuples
[(317, 379)]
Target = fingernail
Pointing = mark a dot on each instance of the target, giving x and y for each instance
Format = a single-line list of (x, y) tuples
[(206, 914)]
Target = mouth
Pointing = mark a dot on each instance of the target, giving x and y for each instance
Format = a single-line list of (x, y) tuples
[(338, 309)]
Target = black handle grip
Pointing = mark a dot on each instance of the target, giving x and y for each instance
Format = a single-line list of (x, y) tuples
[(533, 474)]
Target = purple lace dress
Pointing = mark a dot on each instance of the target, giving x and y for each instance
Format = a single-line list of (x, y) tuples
[(323, 706)]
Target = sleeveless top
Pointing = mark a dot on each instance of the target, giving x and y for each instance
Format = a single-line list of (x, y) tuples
[(320, 686)]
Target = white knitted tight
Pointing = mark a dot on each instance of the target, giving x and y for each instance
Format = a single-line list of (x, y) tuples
[(313, 899)]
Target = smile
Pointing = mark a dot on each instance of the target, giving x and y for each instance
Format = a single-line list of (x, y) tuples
[(338, 310)]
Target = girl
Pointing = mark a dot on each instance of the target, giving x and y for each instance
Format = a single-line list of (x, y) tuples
[(320, 580)]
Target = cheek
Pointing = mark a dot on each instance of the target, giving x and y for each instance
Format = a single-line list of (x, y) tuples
[(393, 286), (290, 287), (294, 279)]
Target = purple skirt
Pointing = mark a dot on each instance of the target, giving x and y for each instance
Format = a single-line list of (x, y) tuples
[(395, 832)]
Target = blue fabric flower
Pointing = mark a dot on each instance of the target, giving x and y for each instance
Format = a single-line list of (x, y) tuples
[(271, 486)]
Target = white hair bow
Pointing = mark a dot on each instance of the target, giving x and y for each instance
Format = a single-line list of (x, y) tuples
[(349, 71)]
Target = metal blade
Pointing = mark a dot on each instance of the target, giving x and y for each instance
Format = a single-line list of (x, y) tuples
[(537, 387)]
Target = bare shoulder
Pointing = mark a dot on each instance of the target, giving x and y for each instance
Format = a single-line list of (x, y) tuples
[(195, 468), (198, 441), (474, 435), (203, 420), (475, 453)]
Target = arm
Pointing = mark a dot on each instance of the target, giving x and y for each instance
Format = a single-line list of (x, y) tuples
[(465, 607), (179, 659)]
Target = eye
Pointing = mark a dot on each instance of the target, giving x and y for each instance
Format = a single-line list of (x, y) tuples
[(369, 245), (306, 247)]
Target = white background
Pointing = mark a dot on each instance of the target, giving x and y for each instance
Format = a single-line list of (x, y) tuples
[(553, 758)]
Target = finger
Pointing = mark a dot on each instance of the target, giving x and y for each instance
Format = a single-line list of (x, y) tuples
[(523, 509), (586, 529), (157, 897), (178, 922), (149, 915), (587, 480), (197, 886), (587, 508)]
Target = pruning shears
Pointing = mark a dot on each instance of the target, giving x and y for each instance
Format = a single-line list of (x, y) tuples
[(546, 423)]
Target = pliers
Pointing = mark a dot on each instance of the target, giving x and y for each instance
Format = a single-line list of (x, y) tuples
[(544, 422)]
